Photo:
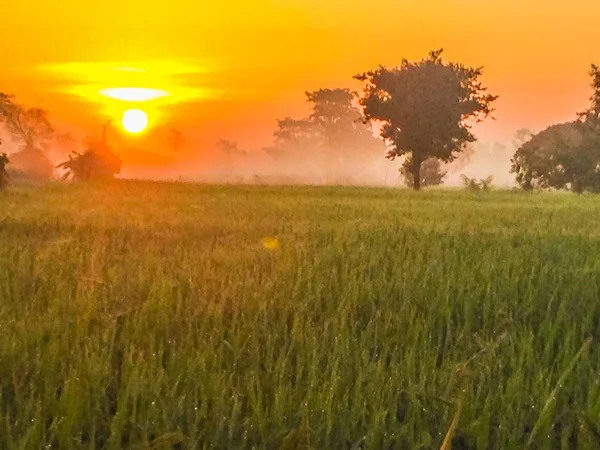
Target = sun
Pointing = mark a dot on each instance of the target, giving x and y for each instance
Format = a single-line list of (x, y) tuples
[(134, 121)]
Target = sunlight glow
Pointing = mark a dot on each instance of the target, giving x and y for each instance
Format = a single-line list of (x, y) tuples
[(164, 82), (131, 94), (134, 121)]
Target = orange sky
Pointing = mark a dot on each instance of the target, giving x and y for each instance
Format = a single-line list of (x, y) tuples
[(237, 65)]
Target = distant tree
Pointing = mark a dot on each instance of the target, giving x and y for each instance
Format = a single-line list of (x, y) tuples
[(294, 132), (564, 156), (425, 108), (31, 130), (432, 174), (343, 127), (97, 162), (3, 172), (230, 148), (332, 137), (297, 140), (176, 140)]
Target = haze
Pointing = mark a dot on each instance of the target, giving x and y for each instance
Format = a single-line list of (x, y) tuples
[(232, 68)]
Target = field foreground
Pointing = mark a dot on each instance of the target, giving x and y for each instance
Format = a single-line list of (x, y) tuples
[(152, 315)]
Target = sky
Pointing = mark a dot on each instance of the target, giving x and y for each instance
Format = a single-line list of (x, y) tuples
[(233, 67)]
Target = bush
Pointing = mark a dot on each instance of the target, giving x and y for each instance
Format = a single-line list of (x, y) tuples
[(472, 184)]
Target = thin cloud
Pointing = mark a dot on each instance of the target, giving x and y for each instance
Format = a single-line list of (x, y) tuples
[(156, 80)]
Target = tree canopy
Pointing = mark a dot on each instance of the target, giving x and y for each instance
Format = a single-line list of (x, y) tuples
[(425, 108), (333, 138), (564, 156), (591, 116), (31, 130), (3, 171), (97, 162)]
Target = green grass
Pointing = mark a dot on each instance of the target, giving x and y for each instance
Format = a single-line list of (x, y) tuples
[(148, 315)]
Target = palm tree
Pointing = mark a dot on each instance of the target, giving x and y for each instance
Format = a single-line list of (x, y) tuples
[(97, 162)]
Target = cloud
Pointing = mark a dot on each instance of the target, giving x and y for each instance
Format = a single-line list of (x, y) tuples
[(162, 81)]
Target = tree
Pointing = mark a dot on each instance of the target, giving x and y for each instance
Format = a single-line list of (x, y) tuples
[(425, 108), (297, 140), (564, 156), (3, 172), (334, 137), (591, 116), (342, 126), (31, 130), (98, 162), (176, 140), (432, 174), (294, 132), (230, 148)]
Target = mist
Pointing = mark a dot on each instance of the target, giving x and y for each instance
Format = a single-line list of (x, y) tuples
[(215, 165)]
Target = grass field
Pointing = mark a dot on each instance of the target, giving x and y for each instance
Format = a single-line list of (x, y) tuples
[(149, 315)]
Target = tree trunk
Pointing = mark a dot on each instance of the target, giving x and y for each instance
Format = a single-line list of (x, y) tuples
[(416, 173)]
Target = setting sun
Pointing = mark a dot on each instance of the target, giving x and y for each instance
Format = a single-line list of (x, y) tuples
[(134, 121)]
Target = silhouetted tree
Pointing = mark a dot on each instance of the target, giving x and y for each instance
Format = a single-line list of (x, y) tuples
[(334, 134), (592, 115), (342, 125), (425, 108), (176, 140), (564, 156), (337, 119), (31, 130), (296, 139), (96, 163), (3, 172), (297, 131), (230, 148), (535, 162), (432, 174)]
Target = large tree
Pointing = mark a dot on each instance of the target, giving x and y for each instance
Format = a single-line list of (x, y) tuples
[(591, 116), (564, 156), (426, 108), (32, 132)]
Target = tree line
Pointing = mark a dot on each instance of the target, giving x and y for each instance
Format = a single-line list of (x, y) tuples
[(33, 134), (423, 110)]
